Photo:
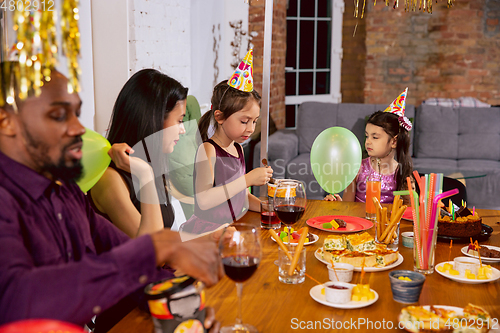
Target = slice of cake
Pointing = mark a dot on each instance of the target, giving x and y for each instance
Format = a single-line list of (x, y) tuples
[(360, 242), (464, 225), (334, 242)]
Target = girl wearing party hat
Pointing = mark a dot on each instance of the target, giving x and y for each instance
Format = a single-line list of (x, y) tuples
[(221, 185), (387, 143)]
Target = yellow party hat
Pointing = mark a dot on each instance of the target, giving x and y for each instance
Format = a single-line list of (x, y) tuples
[(242, 78), (398, 108)]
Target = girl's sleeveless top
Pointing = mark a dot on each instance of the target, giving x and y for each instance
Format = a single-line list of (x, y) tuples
[(227, 168), (388, 183)]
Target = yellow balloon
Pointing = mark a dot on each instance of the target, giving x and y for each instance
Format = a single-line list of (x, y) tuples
[(95, 159)]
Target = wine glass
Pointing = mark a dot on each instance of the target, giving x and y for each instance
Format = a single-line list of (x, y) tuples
[(241, 253), (290, 202)]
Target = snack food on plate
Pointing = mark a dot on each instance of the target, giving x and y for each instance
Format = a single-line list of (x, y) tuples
[(360, 242), (416, 319), (339, 248), (383, 256), (356, 259), (335, 242), (484, 251)]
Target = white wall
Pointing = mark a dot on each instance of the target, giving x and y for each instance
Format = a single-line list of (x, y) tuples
[(160, 37), (205, 14), (173, 36), (110, 55), (86, 65)]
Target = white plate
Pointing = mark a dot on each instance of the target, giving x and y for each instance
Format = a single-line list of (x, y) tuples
[(461, 278), (316, 237), (458, 312), (398, 262), (492, 260), (316, 295)]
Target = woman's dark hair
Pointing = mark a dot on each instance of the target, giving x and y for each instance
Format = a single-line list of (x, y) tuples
[(228, 100), (389, 122), (142, 106)]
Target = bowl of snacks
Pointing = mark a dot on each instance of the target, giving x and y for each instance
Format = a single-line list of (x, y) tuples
[(406, 285)]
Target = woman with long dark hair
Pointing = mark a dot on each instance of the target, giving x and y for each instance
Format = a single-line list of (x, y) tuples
[(147, 114)]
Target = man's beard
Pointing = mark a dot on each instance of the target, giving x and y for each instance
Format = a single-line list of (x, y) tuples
[(39, 151)]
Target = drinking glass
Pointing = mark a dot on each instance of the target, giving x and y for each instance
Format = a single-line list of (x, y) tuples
[(241, 253), (290, 202), (373, 188), (268, 219)]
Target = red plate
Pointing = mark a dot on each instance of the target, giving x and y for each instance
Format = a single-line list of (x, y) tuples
[(407, 215), (353, 223)]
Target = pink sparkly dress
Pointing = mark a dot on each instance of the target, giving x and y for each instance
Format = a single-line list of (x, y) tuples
[(388, 183)]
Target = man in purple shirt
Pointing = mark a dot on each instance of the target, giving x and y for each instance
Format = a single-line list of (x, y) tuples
[(58, 259)]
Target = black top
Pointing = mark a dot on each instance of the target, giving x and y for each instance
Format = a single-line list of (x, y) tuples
[(167, 211)]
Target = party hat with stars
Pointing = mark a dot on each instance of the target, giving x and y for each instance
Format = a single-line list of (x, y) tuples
[(242, 78), (398, 108)]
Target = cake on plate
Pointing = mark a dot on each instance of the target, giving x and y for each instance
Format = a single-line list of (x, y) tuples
[(465, 223)]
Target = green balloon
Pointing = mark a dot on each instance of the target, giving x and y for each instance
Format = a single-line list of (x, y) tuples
[(95, 159), (335, 158)]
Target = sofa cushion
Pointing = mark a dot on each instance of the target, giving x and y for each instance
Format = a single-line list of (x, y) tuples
[(300, 168), (487, 166), (483, 192), (479, 133), (313, 118), (436, 132), (435, 165)]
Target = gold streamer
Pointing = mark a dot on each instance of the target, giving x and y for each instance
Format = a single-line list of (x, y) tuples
[(410, 5), (36, 49)]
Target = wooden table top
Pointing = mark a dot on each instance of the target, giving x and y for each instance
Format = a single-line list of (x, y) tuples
[(272, 306)]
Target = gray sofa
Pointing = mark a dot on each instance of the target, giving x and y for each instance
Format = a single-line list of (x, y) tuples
[(443, 139)]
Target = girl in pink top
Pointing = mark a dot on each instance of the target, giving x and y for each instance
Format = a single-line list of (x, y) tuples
[(387, 143)]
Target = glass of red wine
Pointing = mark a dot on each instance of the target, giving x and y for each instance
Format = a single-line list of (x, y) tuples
[(241, 253), (290, 202)]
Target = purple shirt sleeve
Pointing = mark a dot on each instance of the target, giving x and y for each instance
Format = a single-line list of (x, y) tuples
[(75, 290)]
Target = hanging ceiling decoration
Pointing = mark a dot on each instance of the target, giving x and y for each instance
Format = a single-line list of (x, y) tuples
[(410, 5), (29, 60)]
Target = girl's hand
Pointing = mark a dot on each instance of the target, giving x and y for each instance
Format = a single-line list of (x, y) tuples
[(119, 153), (333, 197), (259, 176)]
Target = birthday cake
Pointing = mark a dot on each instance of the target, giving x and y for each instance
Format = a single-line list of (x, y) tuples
[(461, 224)]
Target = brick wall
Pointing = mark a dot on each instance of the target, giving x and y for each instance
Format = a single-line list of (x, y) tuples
[(450, 53), (160, 37), (278, 54), (354, 58)]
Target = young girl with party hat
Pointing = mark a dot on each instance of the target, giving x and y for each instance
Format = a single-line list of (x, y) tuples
[(387, 143), (221, 185)]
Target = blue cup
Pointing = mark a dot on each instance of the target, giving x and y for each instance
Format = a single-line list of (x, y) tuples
[(404, 291)]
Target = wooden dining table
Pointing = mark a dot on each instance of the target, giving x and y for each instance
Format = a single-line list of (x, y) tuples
[(272, 306)]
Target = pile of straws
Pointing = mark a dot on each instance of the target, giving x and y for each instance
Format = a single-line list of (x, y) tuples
[(425, 210)]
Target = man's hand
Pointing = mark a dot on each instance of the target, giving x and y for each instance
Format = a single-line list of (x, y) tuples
[(198, 258)]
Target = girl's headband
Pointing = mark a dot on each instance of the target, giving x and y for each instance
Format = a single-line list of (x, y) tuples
[(398, 108)]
